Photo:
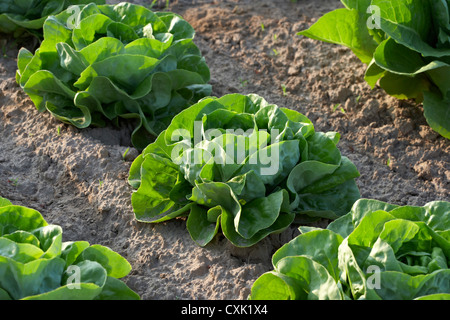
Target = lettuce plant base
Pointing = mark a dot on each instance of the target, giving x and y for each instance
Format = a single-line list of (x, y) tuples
[(78, 178)]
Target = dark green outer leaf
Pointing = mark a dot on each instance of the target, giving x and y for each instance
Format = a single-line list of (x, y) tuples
[(200, 227), (437, 113), (407, 22), (260, 214), (398, 59)]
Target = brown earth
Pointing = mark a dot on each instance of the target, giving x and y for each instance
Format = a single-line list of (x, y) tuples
[(78, 178)]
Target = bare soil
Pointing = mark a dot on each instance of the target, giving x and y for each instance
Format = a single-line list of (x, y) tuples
[(78, 178)]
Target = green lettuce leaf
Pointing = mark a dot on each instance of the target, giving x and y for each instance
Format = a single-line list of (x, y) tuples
[(36, 265), (242, 166), (404, 43), (116, 63), (378, 251)]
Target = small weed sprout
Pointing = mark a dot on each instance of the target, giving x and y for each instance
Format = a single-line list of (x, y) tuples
[(283, 87), (243, 82), (13, 182), (125, 153)]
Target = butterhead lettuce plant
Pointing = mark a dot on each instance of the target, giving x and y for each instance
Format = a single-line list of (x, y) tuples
[(102, 63), (242, 166), (378, 251), (18, 14), (35, 264), (405, 44)]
